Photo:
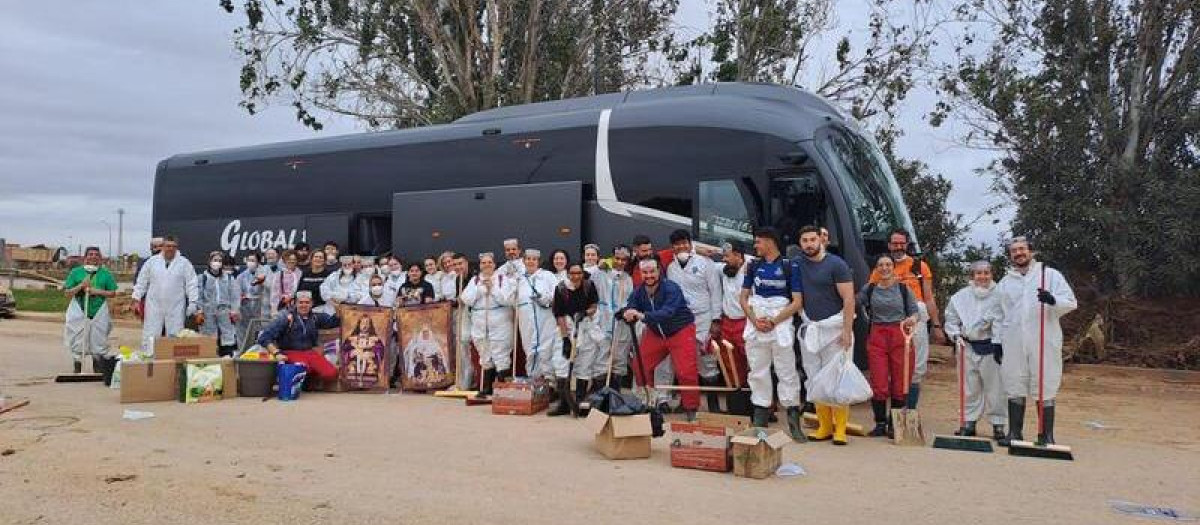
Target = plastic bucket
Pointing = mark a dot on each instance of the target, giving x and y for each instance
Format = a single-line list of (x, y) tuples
[(291, 379), (256, 377)]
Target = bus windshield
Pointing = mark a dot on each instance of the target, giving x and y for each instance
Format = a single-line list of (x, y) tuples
[(876, 207)]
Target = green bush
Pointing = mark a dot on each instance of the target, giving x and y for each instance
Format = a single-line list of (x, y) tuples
[(40, 300)]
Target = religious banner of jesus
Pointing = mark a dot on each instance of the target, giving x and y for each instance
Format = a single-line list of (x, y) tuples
[(427, 357), (362, 346)]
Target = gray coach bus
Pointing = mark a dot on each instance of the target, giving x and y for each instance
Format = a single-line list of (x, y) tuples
[(718, 159)]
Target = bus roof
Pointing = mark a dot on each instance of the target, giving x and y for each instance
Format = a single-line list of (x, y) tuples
[(784, 111)]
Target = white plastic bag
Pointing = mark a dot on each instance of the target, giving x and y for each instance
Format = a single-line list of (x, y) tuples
[(839, 383)]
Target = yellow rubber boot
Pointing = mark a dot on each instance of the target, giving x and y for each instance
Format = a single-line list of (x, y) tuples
[(841, 416), (824, 424)]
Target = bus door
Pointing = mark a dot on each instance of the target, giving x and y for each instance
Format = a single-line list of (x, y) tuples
[(372, 234)]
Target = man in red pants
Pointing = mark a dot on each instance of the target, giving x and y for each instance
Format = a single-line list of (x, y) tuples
[(733, 318), (670, 329), (294, 333)]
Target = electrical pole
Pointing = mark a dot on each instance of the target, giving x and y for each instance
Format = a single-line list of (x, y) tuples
[(121, 235), (109, 226)]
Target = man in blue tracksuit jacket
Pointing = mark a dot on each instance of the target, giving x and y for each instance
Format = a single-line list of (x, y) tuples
[(670, 328)]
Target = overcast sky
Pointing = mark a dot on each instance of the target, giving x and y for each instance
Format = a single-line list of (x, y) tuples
[(96, 92)]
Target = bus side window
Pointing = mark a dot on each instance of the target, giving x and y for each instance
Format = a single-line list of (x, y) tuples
[(721, 214)]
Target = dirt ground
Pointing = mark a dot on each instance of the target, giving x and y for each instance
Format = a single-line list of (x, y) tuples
[(68, 457)]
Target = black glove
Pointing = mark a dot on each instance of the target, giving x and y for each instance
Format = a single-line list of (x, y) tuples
[(1046, 297), (567, 347), (998, 354)]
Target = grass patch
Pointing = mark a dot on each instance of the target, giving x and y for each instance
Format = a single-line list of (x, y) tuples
[(40, 300)]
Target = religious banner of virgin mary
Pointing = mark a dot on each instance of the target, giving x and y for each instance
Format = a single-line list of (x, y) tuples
[(362, 346), (426, 355)]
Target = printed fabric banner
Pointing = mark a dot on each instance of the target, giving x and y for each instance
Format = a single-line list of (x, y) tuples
[(362, 346), (427, 356)]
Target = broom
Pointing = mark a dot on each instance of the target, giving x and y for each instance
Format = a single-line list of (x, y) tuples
[(969, 444), (1040, 450), (908, 430), (80, 376)]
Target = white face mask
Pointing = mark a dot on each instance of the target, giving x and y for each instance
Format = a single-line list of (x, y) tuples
[(251, 265), (377, 290), (396, 273), (214, 265), (683, 257), (346, 270), (90, 268)]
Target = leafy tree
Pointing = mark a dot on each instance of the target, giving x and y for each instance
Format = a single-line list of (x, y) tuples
[(393, 63), (1095, 109)]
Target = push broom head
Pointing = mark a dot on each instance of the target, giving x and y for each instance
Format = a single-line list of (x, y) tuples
[(968, 444), (78, 378), (1034, 450)]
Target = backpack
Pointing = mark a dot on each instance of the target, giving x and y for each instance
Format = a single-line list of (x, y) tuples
[(905, 293)]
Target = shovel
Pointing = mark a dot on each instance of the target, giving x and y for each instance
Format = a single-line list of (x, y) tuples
[(907, 423)]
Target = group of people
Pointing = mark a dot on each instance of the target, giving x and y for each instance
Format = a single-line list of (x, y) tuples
[(576, 320)]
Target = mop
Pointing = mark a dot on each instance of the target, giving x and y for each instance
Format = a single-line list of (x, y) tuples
[(1041, 450), (907, 423), (970, 444), (81, 377)]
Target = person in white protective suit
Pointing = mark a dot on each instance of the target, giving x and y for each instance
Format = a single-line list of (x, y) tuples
[(168, 284), (88, 321), (218, 299), (608, 333), (700, 279), (393, 277), (770, 297), (969, 318), (514, 263), (1030, 295), (366, 269), (488, 297), (591, 258), (534, 291), (375, 293), (341, 287), (252, 283), (828, 323)]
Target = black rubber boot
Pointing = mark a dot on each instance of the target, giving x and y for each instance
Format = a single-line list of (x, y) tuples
[(1047, 435), (562, 388), (581, 394), (809, 408), (998, 432), (1016, 421), (794, 428), (760, 417), (879, 409), (914, 395), (78, 367), (617, 382), (714, 400), (489, 378), (968, 430), (502, 376), (108, 366)]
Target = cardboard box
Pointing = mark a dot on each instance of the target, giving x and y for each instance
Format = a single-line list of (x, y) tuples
[(758, 452), (700, 446), (203, 347), (735, 424), (520, 399), (149, 381), (621, 437), (229, 377)]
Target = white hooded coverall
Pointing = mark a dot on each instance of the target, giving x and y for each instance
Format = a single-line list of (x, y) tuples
[(218, 296), (613, 288), (491, 320), (169, 289), (970, 314), (1019, 330), (339, 287), (538, 327)]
